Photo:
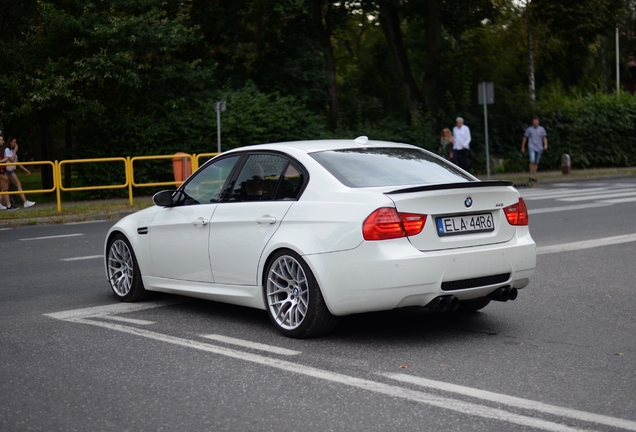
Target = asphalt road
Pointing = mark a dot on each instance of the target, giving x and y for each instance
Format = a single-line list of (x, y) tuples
[(561, 357)]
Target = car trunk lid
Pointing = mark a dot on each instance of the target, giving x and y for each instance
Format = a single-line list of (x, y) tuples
[(458, 214)]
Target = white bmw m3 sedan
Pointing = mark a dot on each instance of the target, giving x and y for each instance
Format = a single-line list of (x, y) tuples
[(313, 230)]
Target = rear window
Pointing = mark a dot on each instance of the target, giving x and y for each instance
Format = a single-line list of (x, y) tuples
[(375, 167)]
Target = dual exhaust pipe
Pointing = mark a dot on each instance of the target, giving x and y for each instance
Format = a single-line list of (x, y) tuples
[(503, 294), (444, 303), (451, 303)]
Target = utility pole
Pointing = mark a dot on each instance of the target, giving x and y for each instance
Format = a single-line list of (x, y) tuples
[(618, 64), (531, 86), (486, 96), (218, 107)]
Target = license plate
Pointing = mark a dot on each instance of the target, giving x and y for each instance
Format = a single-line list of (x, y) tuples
[(466, 224)]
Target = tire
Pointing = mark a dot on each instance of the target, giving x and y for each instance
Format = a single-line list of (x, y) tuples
[(123, 271), (293, 299), (474, 305)]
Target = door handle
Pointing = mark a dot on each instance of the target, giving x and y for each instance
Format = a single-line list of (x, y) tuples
[(266, 219), (200, 222)]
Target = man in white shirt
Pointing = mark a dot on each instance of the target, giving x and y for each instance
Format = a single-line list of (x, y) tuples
[(461, 138)]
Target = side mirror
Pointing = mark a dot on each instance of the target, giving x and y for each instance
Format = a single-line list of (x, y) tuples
[(163, 198)]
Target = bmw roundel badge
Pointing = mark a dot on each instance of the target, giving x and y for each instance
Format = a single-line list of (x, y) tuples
[(468, 201)]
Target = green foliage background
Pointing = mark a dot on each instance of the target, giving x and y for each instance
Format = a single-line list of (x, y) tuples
[(96, 78)]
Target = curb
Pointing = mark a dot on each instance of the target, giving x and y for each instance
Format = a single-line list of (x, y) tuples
[(52, 220)]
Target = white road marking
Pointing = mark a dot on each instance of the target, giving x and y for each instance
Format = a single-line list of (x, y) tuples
[(467, 408), (537, 191), (586, 244), (86, 222), (598, 196), (567, 208), (111, 309), (253, 345), (514, 401), (619, 200), (126, 320), (5, 229), (51, 237), (83, 316), (82, 258), (563, 194)]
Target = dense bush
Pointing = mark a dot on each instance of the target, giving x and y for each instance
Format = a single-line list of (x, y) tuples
[(596, 130)]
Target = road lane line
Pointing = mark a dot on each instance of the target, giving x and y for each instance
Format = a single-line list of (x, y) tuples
[(564, 194), (619, 200), (598, 196), (111, 309), (127, 320), (540, 191), (567, 208), (586, 244), (82, 258), (467, 408), (86, 222), (51, 237), (253, 345), (514, 401)]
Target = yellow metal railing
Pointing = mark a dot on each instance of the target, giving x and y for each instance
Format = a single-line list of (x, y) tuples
[(61, 187), (129, 174), (31, 191)]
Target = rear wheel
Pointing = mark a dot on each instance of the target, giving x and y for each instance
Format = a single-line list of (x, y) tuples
[(293, 298), (473, 305), (123, 271)]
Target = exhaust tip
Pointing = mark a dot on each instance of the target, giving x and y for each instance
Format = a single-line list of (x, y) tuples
[(442, 304), (501, 294), (512, 293), (453, 303)]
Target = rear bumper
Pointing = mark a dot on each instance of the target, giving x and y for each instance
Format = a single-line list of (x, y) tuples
[(389, 274)]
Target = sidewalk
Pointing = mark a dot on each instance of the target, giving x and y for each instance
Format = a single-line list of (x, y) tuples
[(114, 209), (550, 177)]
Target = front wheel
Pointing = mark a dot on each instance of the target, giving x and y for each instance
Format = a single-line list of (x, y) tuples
[(123, 271), (293, 298)]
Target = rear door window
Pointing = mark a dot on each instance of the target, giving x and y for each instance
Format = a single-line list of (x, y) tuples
[(267, 177)]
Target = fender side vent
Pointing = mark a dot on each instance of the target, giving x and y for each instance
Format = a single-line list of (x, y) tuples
[(142, 230), (475, 282)]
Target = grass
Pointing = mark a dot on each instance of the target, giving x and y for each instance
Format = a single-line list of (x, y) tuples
[(73, 211), (45, 210)]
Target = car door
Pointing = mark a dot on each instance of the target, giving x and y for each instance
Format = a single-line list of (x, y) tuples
[(266, 187), (180, 234)]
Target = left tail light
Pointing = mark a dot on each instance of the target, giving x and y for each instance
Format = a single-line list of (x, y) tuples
[(517, 214), (387, 223)]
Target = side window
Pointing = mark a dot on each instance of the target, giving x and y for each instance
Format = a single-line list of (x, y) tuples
[(291, 184), (259, 178), (207, 185)]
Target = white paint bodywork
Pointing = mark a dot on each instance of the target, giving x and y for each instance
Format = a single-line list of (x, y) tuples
[(224, 259)]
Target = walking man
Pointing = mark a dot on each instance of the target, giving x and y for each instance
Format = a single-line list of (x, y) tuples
[(537, 139), (461, 144)]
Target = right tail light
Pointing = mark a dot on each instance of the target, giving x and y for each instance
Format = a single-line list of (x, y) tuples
[(517, 214)]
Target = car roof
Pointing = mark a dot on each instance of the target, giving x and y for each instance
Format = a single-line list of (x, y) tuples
[(323, 145)]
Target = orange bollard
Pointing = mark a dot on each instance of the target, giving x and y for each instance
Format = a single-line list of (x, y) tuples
[(182, 167)]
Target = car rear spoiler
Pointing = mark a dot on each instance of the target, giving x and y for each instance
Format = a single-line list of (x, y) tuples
[(443, 186)]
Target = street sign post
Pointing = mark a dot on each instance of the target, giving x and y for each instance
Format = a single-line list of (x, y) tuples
[(485, 97), (218, 107)]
